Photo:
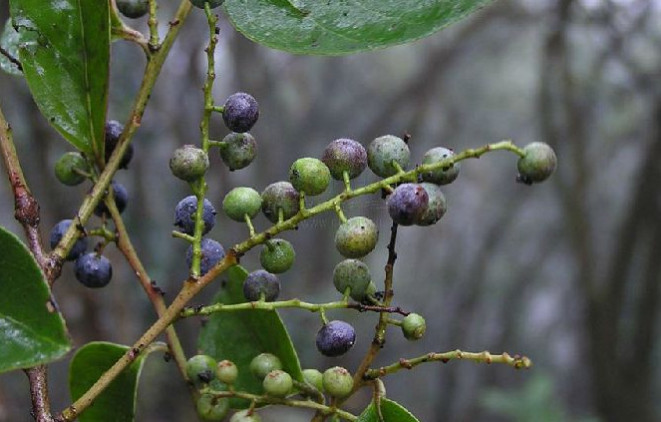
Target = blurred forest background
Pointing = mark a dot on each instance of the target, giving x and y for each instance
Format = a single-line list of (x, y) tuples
[(566, 272)]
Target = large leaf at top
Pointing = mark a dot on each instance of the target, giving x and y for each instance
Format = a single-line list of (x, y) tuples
[(65, 52), (9, 42), (390, 410), (240, 336), (117, 402), (32, 332), (342, 26)]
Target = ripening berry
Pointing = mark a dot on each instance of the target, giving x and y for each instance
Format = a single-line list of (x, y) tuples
[(414, 326), (313, 377), (227, 372), (356, 237), (277, 256), (244, 416), (211, 408), (538, 163), (201, 369), (212, 3), (93, 270), (189, 163), (264, 363), (240, 112), (240, 202), (309, 175), (383, 151), (56, 234), (260, 284), (436, 207), (345, 155), (212, 253), (113, 131), (335, 338), (70, 167), (277, 383), (443, 175), (184, 215), (121, 199), (280, 196), (352, 274), (337, 381), (238, 150), (133, 9), (407, 203)]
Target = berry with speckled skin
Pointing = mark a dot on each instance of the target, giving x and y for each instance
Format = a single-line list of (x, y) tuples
[(212, 408), (407, 203), (201, 369), (309, 175), (538, 163), (212, 253), (121, 200), (335, 338), (240, 202), (277, 256), (189, 163), (354, 275), (184, 215), (277, 383), (443, 175), (264, 363), (345, 155), (259, 283), (133, 9), (69, 167), (356, 237), (240, 112), (113, 131), (56, 234), (413, 326), (93, 270), (238, 150), (383, 151), (436, 207), (337, 381), (280, 196)]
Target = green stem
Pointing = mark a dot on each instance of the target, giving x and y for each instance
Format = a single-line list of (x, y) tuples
[(153, 26)]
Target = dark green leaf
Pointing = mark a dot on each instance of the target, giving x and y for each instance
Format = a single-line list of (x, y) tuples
[(343, 26), (65, 51), (240, 336), (390, 410), (9, 43), (32, 332), (117, 402)]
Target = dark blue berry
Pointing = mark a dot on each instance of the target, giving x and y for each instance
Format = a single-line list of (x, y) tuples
[(93, 270), (56, 234), (212, 253), (260, 283), (114, 130), (184, 215), (335, 338), (240, 112), (407, 204), (121, 199), (133, 9)]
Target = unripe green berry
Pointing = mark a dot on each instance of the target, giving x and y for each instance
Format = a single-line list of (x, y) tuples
[(538, 163), (280, 196), (413, 326), (277, 256), (383, 151), (352, 274), (189, 163), (277, 383), (243, 416), (68, 168), (238, 150), (314, 378), (345, 155), (264, 363), (436, 207), (201, 369), (337, 382), (356, 237), (227, 372), (443, 175), (241, 201), (211, 408), (133, 9), (309, 175)]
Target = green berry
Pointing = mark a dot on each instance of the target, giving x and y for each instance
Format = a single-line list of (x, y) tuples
[(538, 163), (261, 284), (309, 175), (277, 256), (352, 274), (436, 207), (277, 383), (133, 9), (337, 382), (407, 203), (356, 237), (227, 372), (264, 363), (280, 196), (413, 326), (241, 201), (211, 408), (189, 163), (246, 416), (345, 155), (383, 151), (201, 369), (313, 377), (443, 175), (68, 168), (238, 150)]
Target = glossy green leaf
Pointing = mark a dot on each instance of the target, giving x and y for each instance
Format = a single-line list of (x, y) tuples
[(240, 336), (390, 410), (343, 26), (117, 402), (9, 43), (32, 332), (65, 51)]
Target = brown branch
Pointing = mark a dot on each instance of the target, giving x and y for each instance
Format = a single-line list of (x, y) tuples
[(39, 393)]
